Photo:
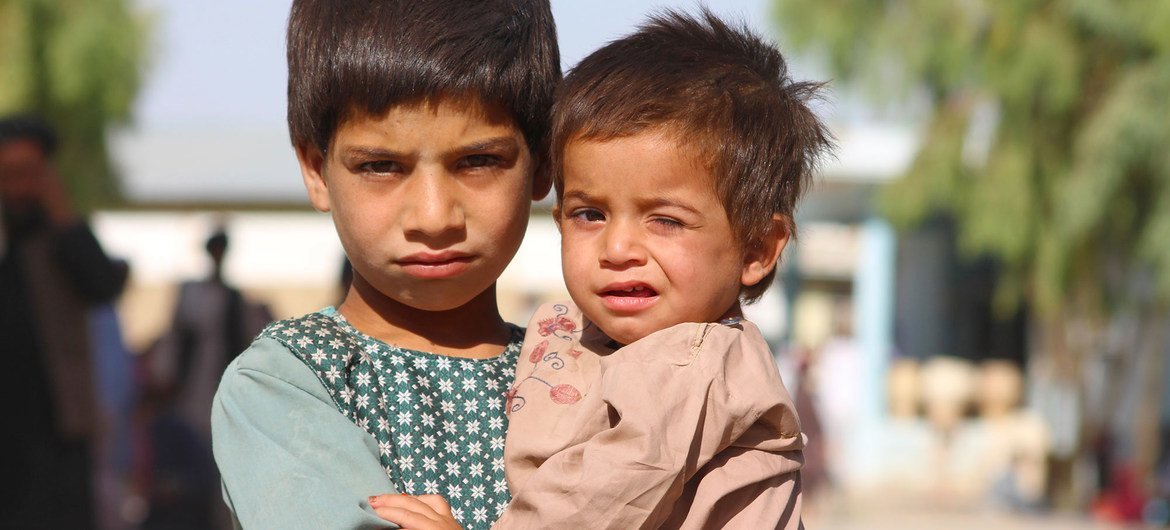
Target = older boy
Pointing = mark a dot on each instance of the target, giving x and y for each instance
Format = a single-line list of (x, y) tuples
[(421, 126)]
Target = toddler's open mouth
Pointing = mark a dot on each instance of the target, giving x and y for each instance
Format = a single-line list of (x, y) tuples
[(638, 291), (628, 297)]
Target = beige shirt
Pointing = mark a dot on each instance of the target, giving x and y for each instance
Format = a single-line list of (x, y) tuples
[(689, 427)]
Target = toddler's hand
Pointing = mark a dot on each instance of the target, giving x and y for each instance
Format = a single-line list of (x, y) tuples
[(424, 512)]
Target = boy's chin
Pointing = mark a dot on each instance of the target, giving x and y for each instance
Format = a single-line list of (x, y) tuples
[(444, 300), (429, 299)]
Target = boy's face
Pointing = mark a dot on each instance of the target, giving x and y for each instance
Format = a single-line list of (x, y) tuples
[(430, 200), (645, 241)]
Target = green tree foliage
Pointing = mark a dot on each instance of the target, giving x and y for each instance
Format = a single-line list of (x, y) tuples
[(1047, 140), (79, 64)]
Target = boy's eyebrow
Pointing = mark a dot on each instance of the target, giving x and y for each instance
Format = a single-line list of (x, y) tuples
[(490, 144), (502, 143), (371, 152)]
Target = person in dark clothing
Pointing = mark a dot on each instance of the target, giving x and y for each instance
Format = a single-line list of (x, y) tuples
[(211, 324), (52, 270)]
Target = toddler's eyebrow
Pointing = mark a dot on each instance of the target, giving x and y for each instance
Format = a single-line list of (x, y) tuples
[(646, 204), (660, 202), (578, 195)]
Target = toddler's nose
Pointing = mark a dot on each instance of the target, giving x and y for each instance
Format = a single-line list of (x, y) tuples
[(622, 246)]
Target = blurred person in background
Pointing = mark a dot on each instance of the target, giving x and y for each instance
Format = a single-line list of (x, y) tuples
[(52, 272), (117, 394), (211, 324)]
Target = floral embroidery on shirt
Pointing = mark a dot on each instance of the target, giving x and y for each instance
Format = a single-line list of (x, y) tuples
[(551, 325), (564, 332), (565, 394), (438, 421)]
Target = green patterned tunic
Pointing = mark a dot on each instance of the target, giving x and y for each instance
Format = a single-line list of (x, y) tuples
[(439, 420)]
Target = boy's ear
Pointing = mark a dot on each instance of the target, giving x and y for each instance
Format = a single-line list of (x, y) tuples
[(759, 260), (312, 162), (541, 180)]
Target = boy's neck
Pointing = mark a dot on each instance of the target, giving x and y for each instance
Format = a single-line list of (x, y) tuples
[(474, 330)]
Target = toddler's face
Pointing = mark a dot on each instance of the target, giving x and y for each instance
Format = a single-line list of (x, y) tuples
[(430, 201), (645, 241)]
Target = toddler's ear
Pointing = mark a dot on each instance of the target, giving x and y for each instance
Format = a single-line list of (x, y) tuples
[(312, 162), (556, 215), (760, 259)]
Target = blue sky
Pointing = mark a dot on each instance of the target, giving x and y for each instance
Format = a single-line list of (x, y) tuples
[(209, 123)]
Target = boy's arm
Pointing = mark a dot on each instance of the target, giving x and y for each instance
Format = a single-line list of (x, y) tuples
[(676, 410), (287, 457)]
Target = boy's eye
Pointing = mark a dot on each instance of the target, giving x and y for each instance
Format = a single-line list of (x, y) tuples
[(381, 167), (473, 161)]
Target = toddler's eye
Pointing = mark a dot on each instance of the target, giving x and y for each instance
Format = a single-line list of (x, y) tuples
[(381, 167), (588, 215), (667, 222)]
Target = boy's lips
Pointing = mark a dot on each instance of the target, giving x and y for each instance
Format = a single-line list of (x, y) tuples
[(435, 265), (627, 297)]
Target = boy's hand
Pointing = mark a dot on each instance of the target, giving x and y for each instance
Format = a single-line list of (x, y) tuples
[(424, 512)]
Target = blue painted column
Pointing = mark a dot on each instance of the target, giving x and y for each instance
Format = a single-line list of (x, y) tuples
[(873, 317)]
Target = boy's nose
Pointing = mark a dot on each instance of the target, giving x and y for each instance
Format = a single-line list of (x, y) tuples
[(435, 209), (622, 246)]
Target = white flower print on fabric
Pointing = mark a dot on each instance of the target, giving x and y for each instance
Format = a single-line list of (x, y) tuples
[(438, 421)]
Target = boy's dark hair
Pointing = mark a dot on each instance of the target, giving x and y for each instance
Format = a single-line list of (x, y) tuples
[(365, 56), (29, 127), (720, 90)]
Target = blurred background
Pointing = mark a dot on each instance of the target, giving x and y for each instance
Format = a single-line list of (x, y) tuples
[(973, 320)]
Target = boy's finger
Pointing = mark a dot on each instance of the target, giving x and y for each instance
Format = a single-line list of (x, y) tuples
[(405, 518), (404, 502), (389, 499), (436, 502)]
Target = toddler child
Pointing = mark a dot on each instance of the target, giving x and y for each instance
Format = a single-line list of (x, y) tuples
[(679, 153), (421, 126)]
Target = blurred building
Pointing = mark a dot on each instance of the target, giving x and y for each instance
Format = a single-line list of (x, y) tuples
[(918, 382), (896, 329)]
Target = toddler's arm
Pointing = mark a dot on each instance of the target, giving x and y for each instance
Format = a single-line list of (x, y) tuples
[(288, 458)]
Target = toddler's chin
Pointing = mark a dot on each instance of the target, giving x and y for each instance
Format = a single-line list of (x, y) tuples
[(624, 334)]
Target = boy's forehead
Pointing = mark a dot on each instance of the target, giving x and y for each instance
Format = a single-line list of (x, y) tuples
[(472, 106)]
